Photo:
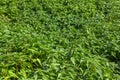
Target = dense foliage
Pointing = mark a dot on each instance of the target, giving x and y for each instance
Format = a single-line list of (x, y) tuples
[(59, 40)]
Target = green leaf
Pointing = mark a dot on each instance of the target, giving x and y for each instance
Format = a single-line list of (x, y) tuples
[(72, 60)]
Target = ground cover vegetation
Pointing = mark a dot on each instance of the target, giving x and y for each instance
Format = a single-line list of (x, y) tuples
[(59, 40)]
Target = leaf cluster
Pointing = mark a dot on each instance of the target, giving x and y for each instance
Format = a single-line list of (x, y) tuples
[(59, 40)]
